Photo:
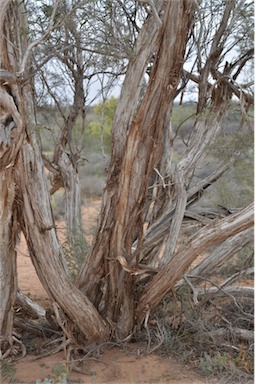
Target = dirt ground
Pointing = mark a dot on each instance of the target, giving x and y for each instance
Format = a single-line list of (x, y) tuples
[(115, 365)]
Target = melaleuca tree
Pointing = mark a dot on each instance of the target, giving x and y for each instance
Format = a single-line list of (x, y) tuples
[(137, 256)]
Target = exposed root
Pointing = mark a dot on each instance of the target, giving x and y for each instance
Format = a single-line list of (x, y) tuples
[(16, 350), (6, 347), (12, 348)]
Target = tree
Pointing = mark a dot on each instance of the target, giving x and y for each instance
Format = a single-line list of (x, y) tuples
[(77, 69), (126, 275)]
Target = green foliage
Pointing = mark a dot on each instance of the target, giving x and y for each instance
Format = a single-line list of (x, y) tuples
[(76, 253), (241, 261), (60, 376), (182, 118), (102, 123), (7, 372), (109, 107), (217, 363)]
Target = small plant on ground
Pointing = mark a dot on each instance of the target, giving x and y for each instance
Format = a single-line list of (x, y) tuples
[(7, 372), (60, 376)]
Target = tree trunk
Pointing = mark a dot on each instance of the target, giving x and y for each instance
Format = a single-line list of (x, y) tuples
[(137, 149), (105, 303), (11, 137), (8, 273), (24, 190), (37, 223)]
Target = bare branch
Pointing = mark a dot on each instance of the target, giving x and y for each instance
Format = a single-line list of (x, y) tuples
[(182, 259), (154, 11), (51, 27)]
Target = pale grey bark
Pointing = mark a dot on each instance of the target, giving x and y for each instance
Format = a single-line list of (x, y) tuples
[(72, 200), (31, 308), (236, 291), (221, 254), (11, 137), (223, 334), (39, 229), (8, 272), (165, 280)]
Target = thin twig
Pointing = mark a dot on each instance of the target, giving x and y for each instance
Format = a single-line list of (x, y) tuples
[(195, 291), (52, 26)]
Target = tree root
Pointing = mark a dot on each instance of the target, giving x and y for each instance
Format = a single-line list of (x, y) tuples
[(12, 348)]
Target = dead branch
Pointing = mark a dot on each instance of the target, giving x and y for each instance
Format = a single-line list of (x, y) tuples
[(219, 230), (220, 292), (220, 255), (34, 327), (229, 333), (237, 276), (29, 306)]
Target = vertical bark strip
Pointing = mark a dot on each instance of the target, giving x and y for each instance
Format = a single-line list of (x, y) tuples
[(8, 277), (11, 137)]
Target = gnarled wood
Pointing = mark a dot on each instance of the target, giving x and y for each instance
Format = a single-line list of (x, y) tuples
[(11, 137), (137, 149), (38, 226)]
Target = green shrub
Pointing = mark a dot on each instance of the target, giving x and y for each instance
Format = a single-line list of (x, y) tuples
[(215, 364), (60, 376), (7, 372)]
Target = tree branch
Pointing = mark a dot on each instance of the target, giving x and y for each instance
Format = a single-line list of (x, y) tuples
[(163, 282)]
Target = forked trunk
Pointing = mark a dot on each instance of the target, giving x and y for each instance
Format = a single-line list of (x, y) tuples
[(105, 302), (137, 149)]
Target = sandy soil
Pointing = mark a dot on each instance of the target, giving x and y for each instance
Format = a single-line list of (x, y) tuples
[(115, 366)]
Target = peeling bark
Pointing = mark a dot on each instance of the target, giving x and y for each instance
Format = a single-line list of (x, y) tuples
[(8, 273), (11, 137), (44, 248), (137, 149)]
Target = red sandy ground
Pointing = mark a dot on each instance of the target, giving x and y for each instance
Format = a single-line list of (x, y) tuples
[(115, 365)]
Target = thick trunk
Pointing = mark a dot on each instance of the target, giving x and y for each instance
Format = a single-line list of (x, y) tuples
[(24, 189), (137, 149), (11, 137), (10, 141), (39, 229), (8, 273)]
